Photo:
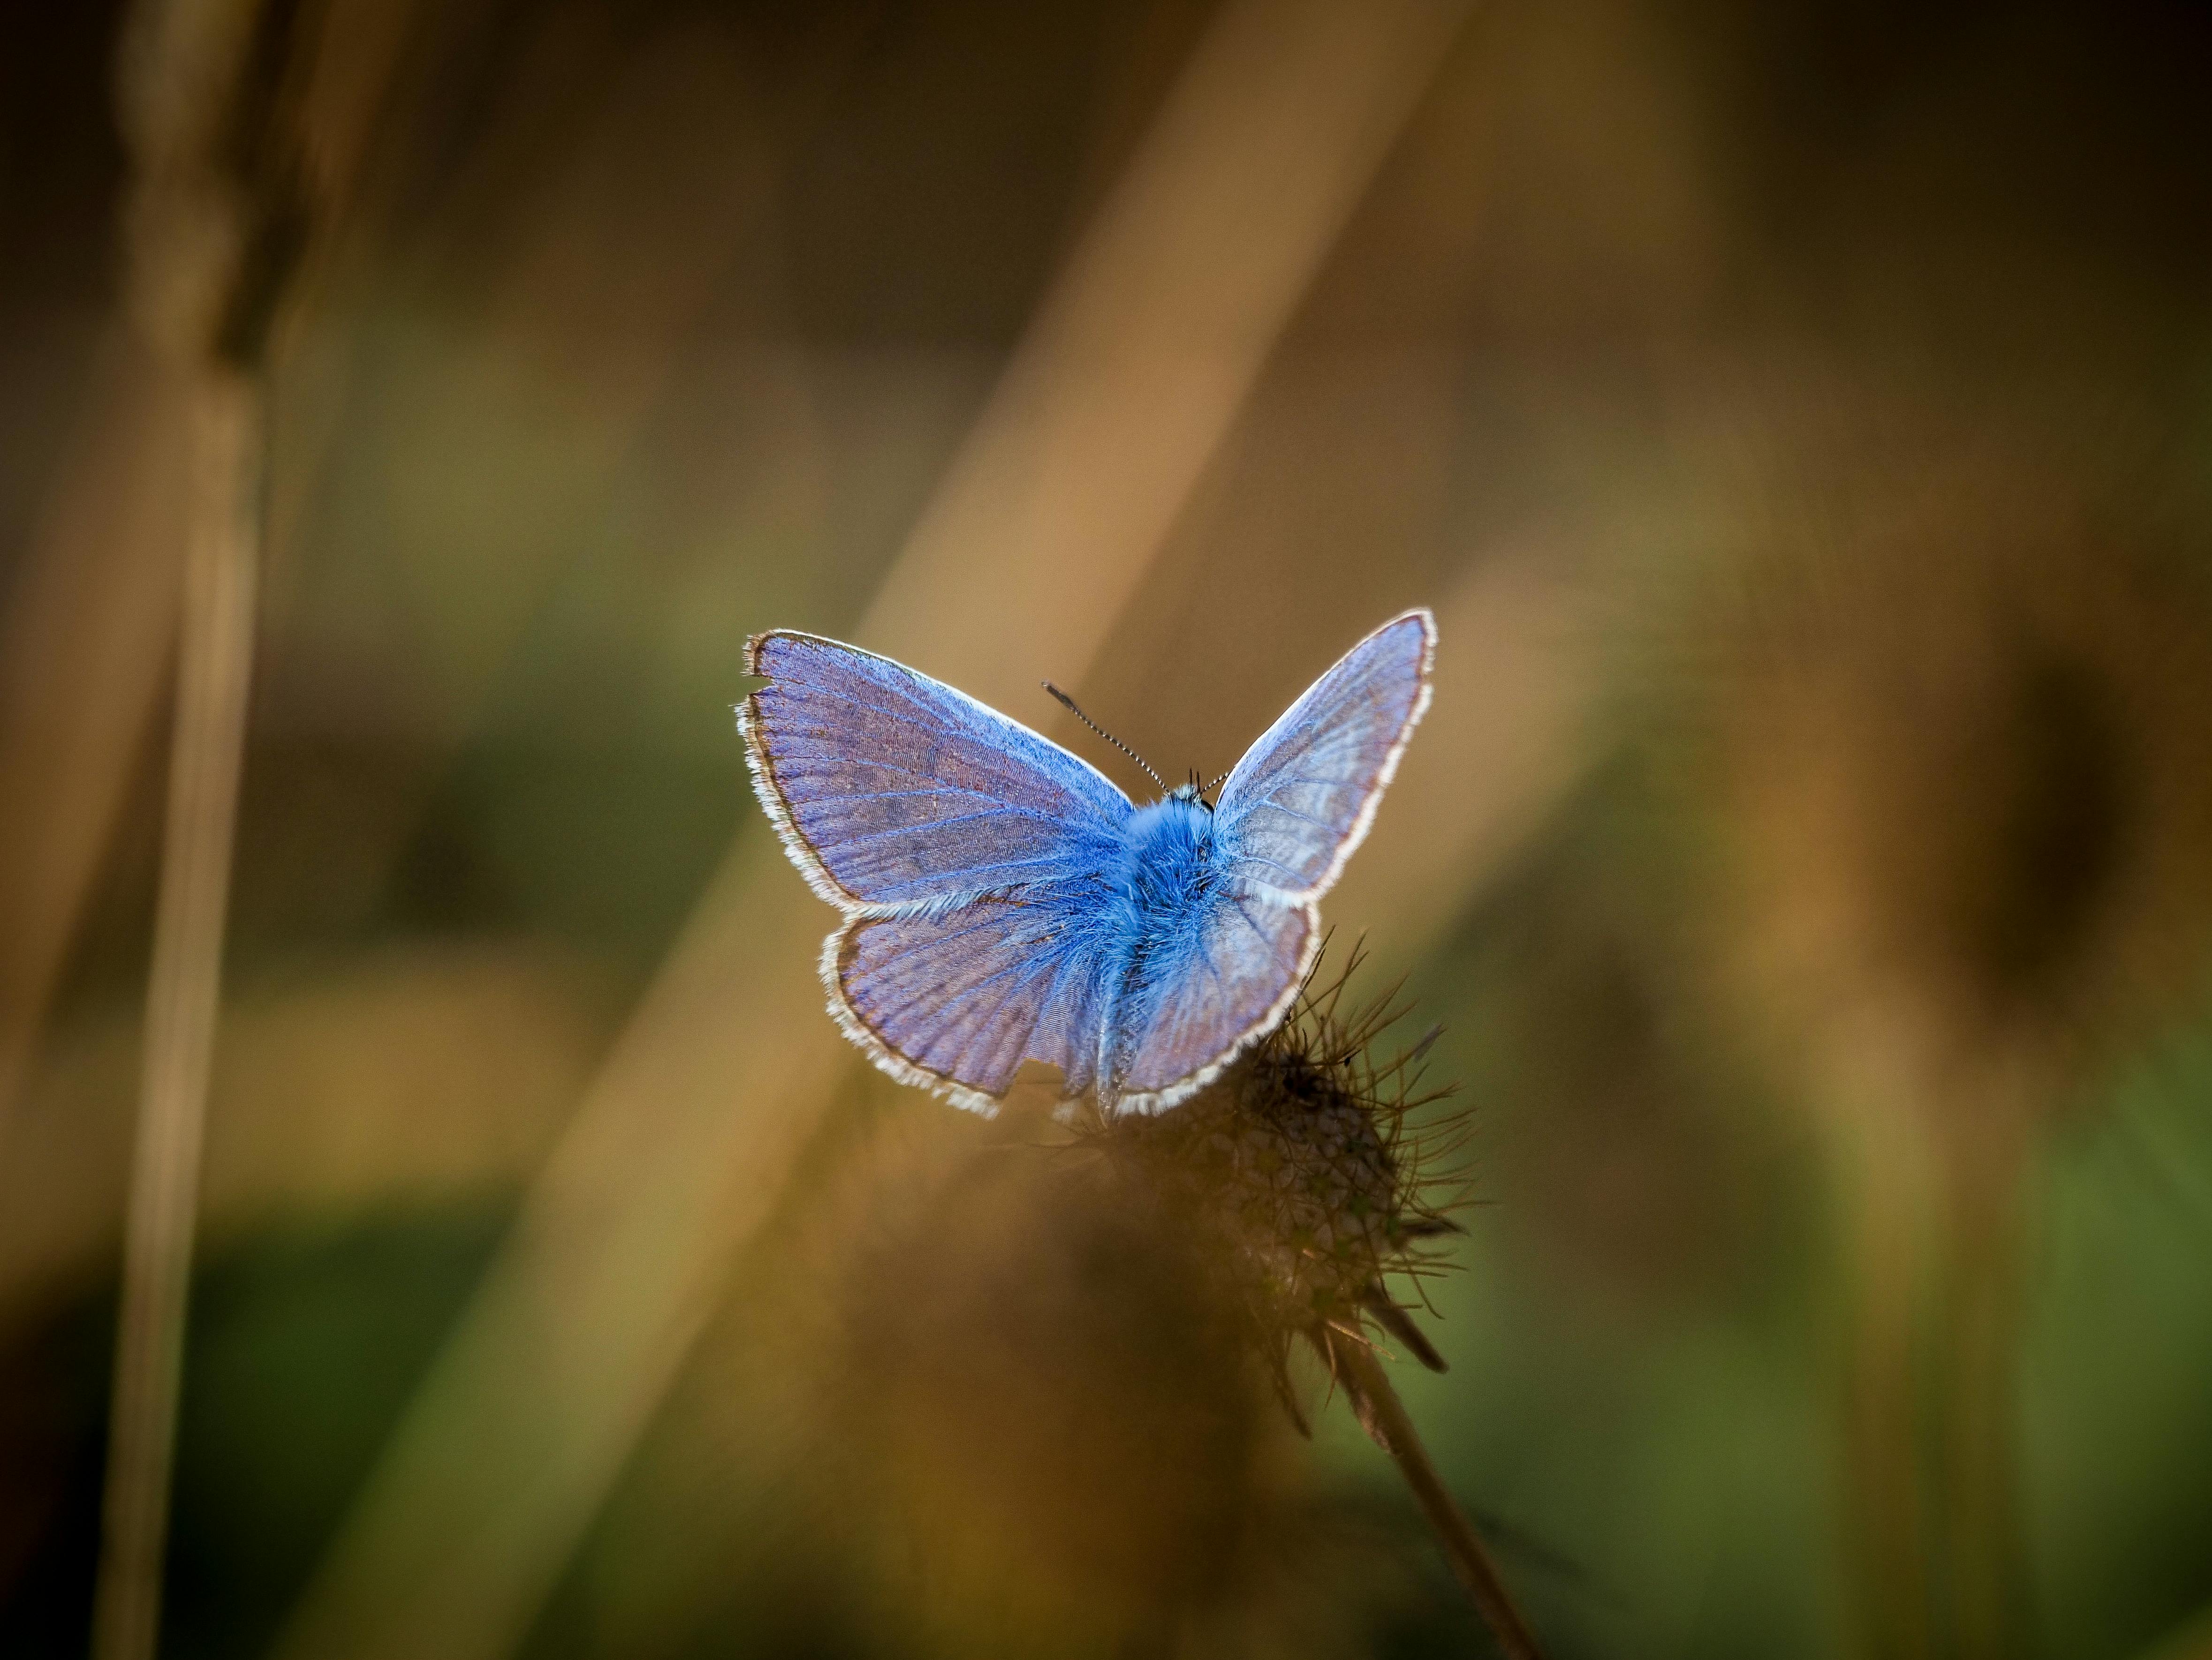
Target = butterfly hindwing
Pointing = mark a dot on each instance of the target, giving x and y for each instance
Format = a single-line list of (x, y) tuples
[(1228, 982), (1303, 796), (956, 1002), (893, 789)]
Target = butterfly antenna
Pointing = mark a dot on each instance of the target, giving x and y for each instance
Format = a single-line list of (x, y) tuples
[(1069, 704), (1219, 779)]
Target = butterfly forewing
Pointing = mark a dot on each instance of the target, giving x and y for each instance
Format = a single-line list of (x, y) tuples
[(895, 791), (1303, 796)]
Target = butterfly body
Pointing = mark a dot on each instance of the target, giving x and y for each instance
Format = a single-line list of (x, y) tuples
[(1169, 880), (1005, 901)]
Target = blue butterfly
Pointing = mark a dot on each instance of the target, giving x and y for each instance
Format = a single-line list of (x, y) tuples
[(1003, 900)]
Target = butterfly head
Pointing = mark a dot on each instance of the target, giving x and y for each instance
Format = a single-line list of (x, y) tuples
[(1194, 790)]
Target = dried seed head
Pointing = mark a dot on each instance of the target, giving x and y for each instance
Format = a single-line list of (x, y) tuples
[(1297, 1175), (1052, 1362), (1966, 754)]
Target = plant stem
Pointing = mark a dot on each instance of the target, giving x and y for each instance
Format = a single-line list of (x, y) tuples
[(214, 659), (1462, 1545)]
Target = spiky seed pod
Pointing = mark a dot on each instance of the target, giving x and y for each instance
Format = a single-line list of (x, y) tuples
[(1298, 1175), (1051, 1375)]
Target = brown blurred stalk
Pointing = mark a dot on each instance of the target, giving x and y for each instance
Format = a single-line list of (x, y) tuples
[(1884, 1178), (215, 222), (213, 666), (1980, 1322), (83, 661), (85, 643), (1932, 1232), (1462, 1545)]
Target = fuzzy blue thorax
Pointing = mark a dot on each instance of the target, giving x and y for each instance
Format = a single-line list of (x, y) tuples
[(1168, 858), (1170, 866)]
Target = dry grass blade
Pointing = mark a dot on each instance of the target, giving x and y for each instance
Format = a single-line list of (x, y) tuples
[(82, 664), (1135, 365), (214, 667)]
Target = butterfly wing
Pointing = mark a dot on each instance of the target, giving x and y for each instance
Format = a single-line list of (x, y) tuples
[(1227, 982), (1289, 816), (967, 853), (1303, 795), (893, 791), (964, 849), (955, 1002)]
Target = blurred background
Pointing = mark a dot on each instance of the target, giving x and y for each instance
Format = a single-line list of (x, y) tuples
[(1800, 417)]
